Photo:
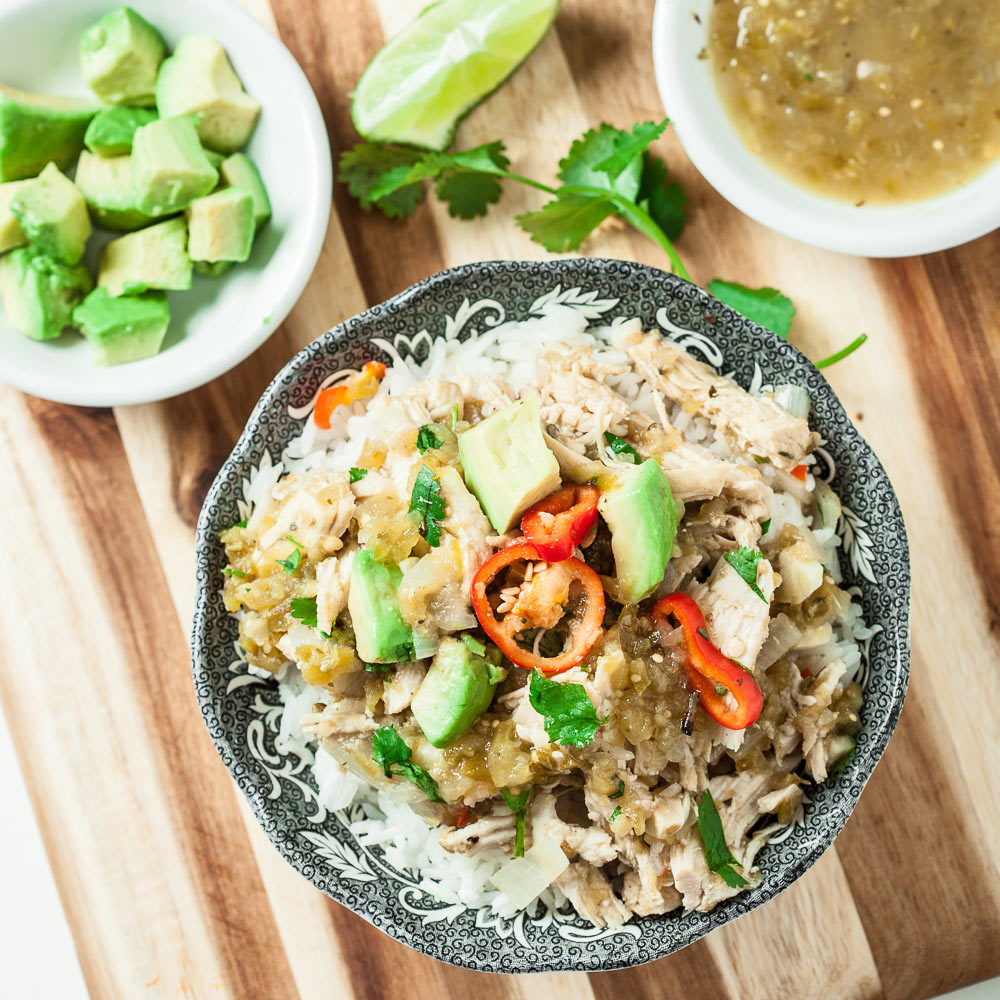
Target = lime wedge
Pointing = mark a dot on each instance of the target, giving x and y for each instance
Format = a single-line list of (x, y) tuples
[(454, 55)]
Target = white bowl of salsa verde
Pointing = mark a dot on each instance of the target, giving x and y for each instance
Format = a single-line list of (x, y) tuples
[(854, 127)]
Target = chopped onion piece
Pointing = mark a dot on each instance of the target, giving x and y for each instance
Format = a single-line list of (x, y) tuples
[(794, 400), (523, 879), (782, 635), (425, 645)]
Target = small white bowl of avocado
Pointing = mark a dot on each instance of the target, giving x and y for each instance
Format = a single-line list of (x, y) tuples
[(160, 216)]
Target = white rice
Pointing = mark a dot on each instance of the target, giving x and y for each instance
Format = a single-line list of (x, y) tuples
[(508, 351)]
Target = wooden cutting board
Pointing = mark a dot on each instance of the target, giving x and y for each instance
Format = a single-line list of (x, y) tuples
[(170, 888)]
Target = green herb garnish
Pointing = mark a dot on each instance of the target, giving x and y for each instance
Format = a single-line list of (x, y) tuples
[(842, 763), (608, 171), (294, 541), (721, 689), (230, 571), (622, 448), (427, 438), (744, 561), (615, 813), (569, 715), (621, 790), (426, 500), (356, 475), (766, 306), (389, 750), (718, 857), (843, 352), (765, 526), (518, 805), (473, 644), (377, 668), (292, 563), (303, 609)]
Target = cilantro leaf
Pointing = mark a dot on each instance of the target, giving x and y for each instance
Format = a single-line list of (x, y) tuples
[(765, 526), (427, 438), (622, 448), (662, 199), (565, 222), (485, 159), (304, 610), (569, 715), (356, 475), (766, 306), (291, 564), (467, 195), (231, 571), (744, 561), (621, 790), (584, 164), (718, 857), (388, 749), (426, 500), (630, 145), (423, 781), (615, 813), (518, 805), (361, 169), (844, 352)]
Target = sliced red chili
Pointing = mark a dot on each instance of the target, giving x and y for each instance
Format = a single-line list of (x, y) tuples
[(359, 386), (799, 472), (557, 524), (708, 667), (585, 628)]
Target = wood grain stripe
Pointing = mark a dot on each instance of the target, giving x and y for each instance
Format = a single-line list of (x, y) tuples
[(388, 256), (913, 855), (162, 852)]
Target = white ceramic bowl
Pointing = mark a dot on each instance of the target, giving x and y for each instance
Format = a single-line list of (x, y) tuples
[(687, 88), (219, 321)]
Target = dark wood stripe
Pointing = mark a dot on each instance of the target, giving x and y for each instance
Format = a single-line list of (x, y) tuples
[(950, 320), (389, 254), (917, 861), (380, 967), (690, 973), (100, 496)]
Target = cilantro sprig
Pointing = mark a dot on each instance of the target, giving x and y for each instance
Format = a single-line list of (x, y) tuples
[(426, 500), (718, 857), (389, 751), (608, 171), (621, 447), (518, 805), (569, 715), (744, 560), (427, 438)]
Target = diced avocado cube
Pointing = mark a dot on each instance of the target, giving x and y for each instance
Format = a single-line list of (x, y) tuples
[(11, 233), (212, 269), (507, 464), (106, 185), (220, 226), (216, 159), (199, 79), (380, 634), (36, 129), (154, 257), (53, 215), (111, 130), (119, 56), (169, 167), (457, 688), (123, 329), (39, 293), (639, 508), (240, 171)]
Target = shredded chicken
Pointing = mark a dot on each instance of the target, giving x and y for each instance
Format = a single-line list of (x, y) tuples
[(617, 786)]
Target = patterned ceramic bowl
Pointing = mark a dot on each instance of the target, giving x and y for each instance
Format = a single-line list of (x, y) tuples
[(242, 711)]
